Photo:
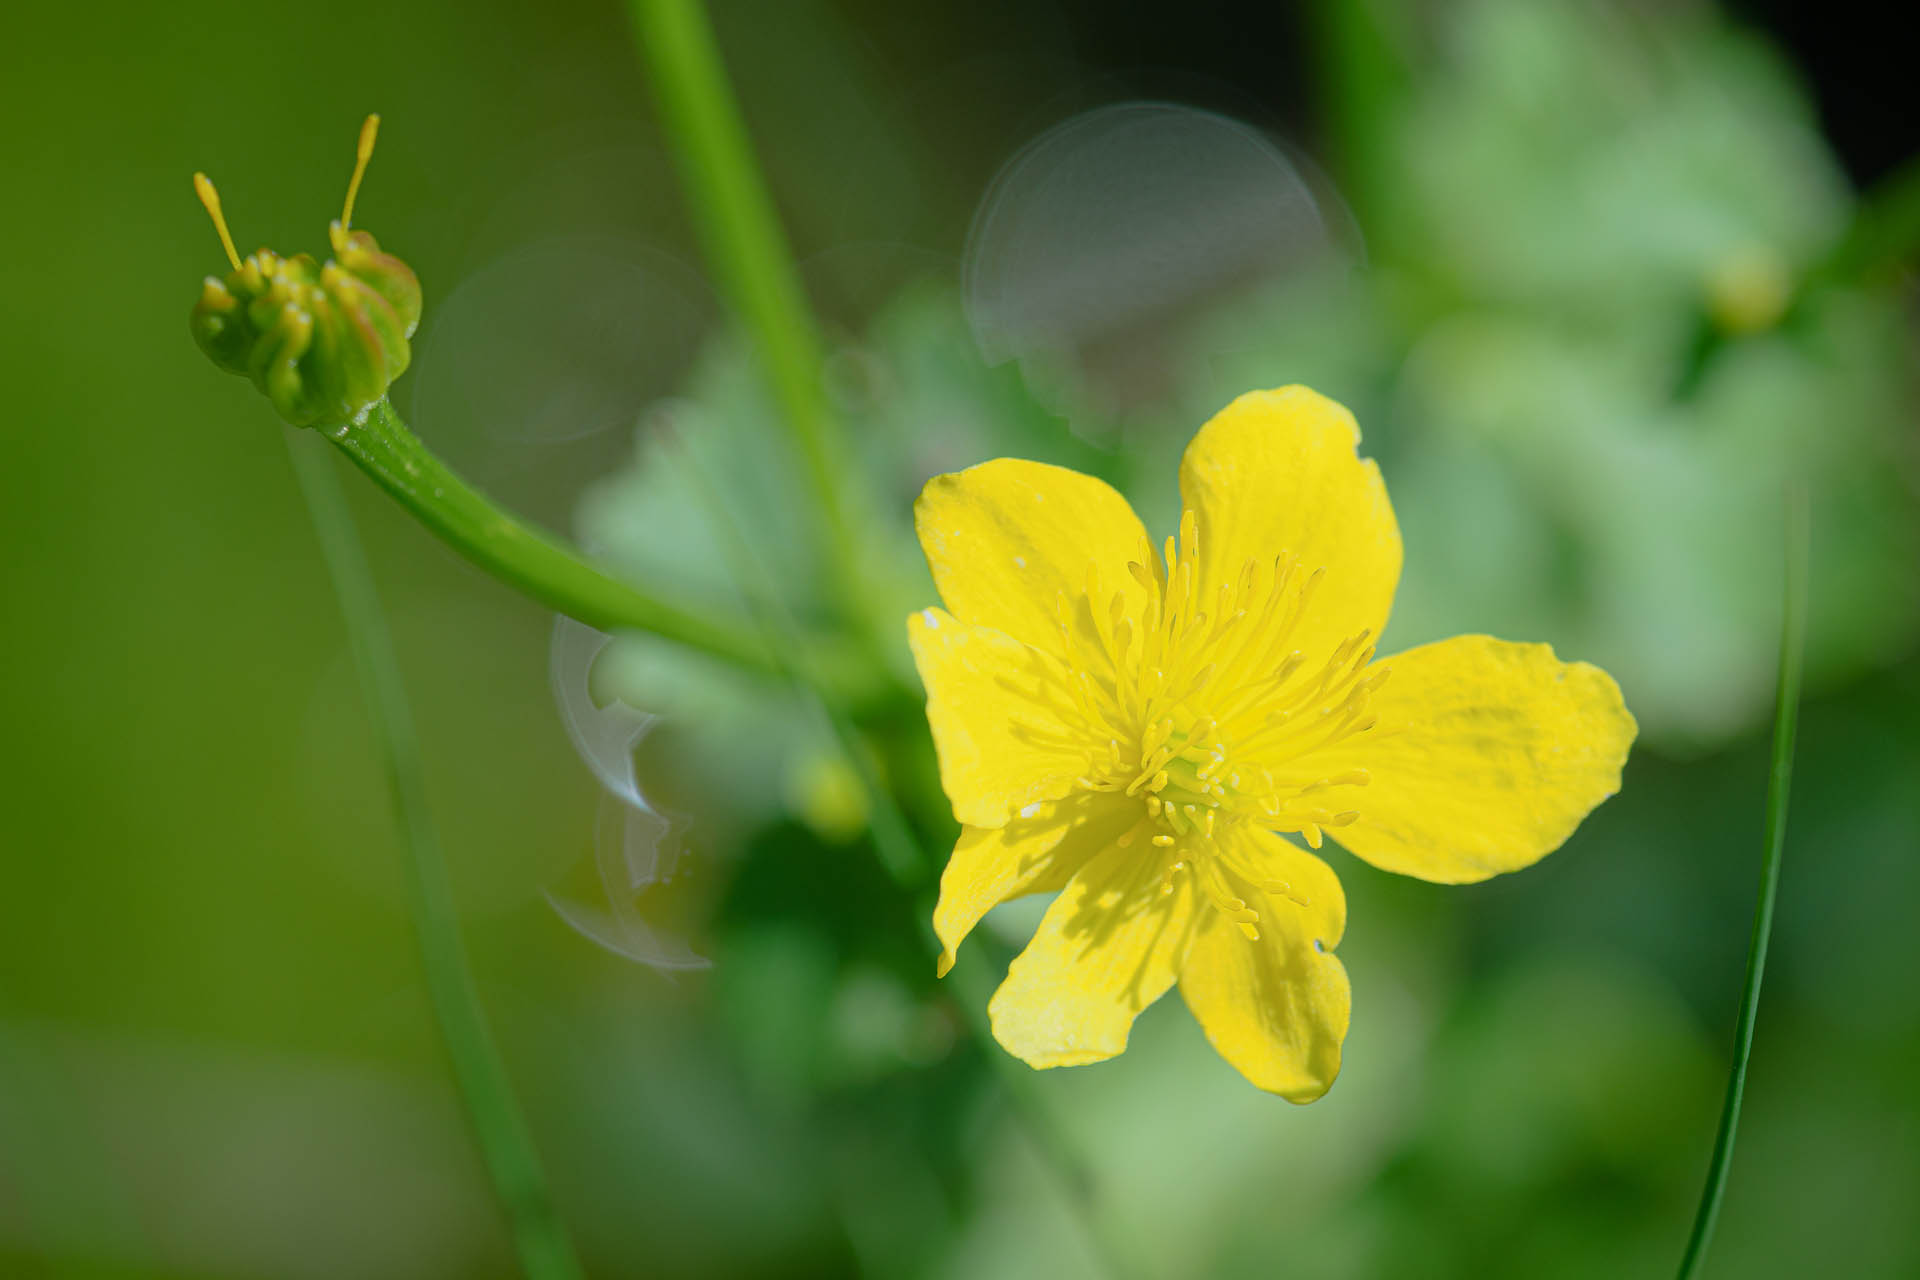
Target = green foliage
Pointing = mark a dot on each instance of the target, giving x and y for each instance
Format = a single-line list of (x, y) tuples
[(1597, 336)]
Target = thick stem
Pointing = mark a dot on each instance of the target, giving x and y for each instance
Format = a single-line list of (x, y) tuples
[(514, 1166), (1786, 711)]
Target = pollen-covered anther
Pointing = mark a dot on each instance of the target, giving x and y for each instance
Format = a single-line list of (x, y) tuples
[(1281, 889), (1174, 868), (1351, 778), (1225, 900)]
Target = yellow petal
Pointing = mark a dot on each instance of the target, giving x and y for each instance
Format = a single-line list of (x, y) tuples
[(1109, 946), (1311, 895), (1278, 471), (1276, 1007), (1007, 538), (1486, 756), (1038, 854), (1004, 724)]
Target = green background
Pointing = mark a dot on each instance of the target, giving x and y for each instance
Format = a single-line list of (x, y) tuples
[(216, 1053)]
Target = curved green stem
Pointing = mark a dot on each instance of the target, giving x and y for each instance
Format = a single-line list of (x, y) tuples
[(545, 1251), (743, 240), (524, 558), (1786, 708)]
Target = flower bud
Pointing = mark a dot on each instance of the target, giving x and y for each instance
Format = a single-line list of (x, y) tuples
[(323, 342)]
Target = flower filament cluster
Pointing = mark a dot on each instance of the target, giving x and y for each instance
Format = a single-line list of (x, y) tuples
[(1210, 717)]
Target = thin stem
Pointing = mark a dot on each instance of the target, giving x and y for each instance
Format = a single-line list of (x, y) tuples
[(1362, 78), (898, 851), (518, 1180), (744, 242), (1786, 709), (539, 566), (741, 234)]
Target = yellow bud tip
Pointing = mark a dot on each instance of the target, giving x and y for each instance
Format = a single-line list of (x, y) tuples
[(943, 965), (369, 131), (203, 187)]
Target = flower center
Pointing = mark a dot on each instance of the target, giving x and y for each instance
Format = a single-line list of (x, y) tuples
[(1213, 718)]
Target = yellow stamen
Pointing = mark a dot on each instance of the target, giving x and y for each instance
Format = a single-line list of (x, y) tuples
[(203, 187), (1280, 888), (369, 130), (1205, 711)]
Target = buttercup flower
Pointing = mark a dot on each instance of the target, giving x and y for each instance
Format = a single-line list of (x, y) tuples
[(1145, 733)]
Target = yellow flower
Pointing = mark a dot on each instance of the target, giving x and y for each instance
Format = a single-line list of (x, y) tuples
[(1141, 734)]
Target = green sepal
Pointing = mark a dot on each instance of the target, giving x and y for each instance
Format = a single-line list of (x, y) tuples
[(275, 367), (221, 328), (322, 342), (360, 254)]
